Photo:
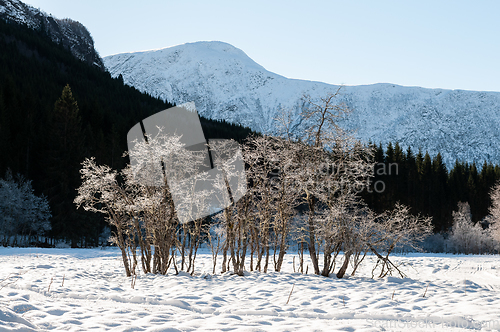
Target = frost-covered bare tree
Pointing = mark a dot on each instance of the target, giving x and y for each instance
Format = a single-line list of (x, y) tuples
[(138, 202), (182, 179), (393, 229), (330, 168), (334, 168), (321, 119), (23, 215), (274, 193), (285, 123), (345, 226), (495, 215), (216, 237), (463, 233), (235, 215), (256, 152), (467, 237), (102, 192)]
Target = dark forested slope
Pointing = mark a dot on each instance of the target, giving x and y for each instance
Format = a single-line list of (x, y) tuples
[(46, 141)]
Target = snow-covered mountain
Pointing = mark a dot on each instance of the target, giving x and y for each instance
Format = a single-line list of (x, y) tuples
[(226, 84), (73, 35)]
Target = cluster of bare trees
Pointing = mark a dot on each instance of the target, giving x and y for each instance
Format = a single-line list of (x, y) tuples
[(466, 237), (24, 216), (480, 238), (138, 204), (298, 196), (301, 191)]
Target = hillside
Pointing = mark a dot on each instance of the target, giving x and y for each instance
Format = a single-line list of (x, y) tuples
[(226, 84), (71, 34)]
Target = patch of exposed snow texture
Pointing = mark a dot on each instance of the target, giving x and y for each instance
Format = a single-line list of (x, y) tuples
[(226, 84), (73, 35), (87, 290)]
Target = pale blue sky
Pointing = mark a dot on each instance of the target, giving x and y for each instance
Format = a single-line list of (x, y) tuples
[(448, 44)]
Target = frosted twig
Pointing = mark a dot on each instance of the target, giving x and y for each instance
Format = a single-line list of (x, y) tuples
[(51, 280), (426, 289), (2, 285), (290, 294)]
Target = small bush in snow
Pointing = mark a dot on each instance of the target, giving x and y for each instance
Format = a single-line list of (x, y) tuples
[(494, 217), (467, 238), (434, 243)]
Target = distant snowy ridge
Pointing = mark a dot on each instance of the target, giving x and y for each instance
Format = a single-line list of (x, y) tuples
[(73, 35), (226, 84)]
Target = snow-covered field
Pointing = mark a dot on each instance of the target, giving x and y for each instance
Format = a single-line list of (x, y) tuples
[(86, 290)]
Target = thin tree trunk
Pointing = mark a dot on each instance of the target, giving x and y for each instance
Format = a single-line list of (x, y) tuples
[(312, 246), (344, 266)]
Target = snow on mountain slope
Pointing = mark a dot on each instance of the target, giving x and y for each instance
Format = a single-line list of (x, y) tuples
[(226, 84)]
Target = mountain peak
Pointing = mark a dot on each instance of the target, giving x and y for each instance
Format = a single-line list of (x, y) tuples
[(202, 51)]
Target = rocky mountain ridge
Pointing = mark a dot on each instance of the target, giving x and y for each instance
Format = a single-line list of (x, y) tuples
[(71, 34), (226, 84)]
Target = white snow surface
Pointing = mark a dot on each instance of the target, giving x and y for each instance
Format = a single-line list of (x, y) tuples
[(226, 84), (86, 290)]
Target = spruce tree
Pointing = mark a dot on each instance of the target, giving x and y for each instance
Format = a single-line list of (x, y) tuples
[(419, 161), (439, 193), (379, 154), (426, 187), (64, 155)]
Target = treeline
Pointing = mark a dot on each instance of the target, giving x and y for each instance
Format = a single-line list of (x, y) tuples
[(46, 133), (425, 184)]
